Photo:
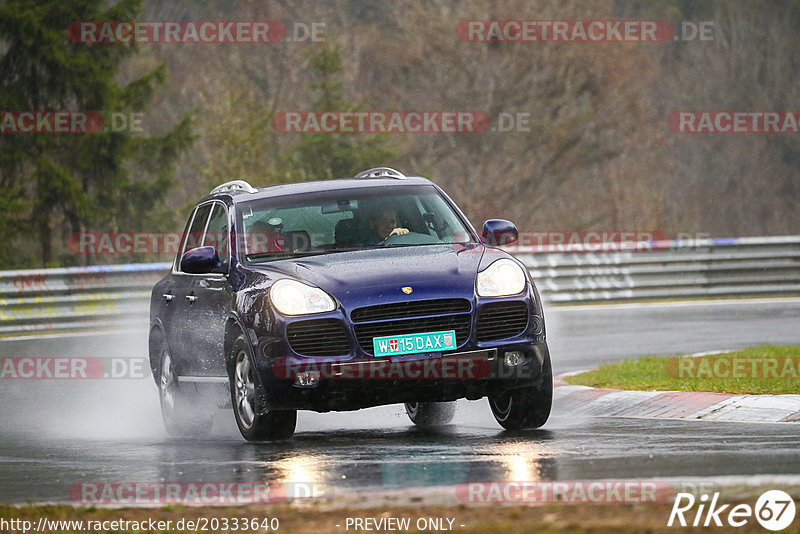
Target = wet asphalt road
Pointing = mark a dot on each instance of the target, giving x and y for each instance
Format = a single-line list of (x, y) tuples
[(55, 434)]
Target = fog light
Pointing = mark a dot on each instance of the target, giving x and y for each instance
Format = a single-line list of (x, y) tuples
[(307, 379), (514, 358)]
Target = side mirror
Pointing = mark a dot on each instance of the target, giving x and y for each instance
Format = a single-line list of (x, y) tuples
[(202, 260), (499, 232)]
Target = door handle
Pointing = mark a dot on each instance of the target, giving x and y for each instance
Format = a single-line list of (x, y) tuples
[(191, 298), (168, 297)]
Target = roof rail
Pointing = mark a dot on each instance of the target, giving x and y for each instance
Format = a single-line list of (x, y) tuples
[(381, 172), (234, 185)]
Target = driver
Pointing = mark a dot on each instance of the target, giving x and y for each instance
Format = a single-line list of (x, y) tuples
[(265, 238), (384, 226)]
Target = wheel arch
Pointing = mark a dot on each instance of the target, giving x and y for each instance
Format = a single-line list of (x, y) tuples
[(233, 329), (156, 339)]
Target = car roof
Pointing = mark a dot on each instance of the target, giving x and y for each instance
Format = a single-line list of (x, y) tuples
[(241, 195)]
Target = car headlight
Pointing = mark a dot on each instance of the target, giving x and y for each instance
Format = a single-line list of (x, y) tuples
[(501, 279), (291, 297)]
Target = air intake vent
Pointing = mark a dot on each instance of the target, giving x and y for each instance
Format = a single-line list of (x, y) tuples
[(404, 310), (318, 337), (500, 320)]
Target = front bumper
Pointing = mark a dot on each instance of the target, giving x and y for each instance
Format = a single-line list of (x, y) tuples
[(357, 379), (365, 382)]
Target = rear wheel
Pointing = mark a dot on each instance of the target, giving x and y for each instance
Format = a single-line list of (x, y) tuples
[(247, 397), (522, 408), (181, 416), (430, 414)]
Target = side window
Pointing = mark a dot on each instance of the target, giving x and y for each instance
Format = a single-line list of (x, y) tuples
[(192, 238), (217, 232), (181, 240)]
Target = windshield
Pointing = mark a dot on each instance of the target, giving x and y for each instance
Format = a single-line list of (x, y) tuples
[(356, 219)]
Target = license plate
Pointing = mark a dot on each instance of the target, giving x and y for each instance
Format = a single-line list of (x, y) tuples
[(414, 343)]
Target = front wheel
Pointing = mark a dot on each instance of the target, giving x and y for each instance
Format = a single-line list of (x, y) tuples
[(247, 397), (430, 414), (525, 407)]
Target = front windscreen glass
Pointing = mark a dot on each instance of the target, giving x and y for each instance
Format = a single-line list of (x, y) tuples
[(344, 220)]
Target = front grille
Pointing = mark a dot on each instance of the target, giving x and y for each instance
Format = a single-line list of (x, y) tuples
[(366, 331), (500, 320), (413, 317), (404, 310), (318, 337)]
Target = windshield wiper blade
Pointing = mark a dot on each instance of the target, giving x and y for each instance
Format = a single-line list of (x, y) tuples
[(281, 255), (300, 253), (399, 245)]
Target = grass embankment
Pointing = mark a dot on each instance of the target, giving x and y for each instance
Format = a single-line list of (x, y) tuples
[(762, 370)]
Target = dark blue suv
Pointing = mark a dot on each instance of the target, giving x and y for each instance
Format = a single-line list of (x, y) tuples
[(341, 295)]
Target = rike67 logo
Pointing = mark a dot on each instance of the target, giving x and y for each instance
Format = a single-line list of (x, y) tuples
[(774, 510)]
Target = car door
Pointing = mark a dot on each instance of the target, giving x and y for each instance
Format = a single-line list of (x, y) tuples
[(211, 298), (180, 332), (163, 303)]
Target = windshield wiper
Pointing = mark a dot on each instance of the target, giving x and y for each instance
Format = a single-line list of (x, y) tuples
[(299, 253), (398, 245), (282, 255)]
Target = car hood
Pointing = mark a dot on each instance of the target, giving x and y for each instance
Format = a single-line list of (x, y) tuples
[(365, 277)]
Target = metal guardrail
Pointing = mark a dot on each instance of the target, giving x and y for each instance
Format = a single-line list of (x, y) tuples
[(118, 295), (729, 267), (77, 297)]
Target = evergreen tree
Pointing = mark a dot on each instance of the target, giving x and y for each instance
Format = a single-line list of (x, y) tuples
[(56, 184), (243, 144), (324, 155)]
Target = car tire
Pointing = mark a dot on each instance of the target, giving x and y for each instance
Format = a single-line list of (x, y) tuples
[(430, 414), (523, 408), (247, 397), (181, 416)]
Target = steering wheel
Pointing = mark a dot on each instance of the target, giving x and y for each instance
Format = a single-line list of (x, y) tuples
[(411, 238)]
